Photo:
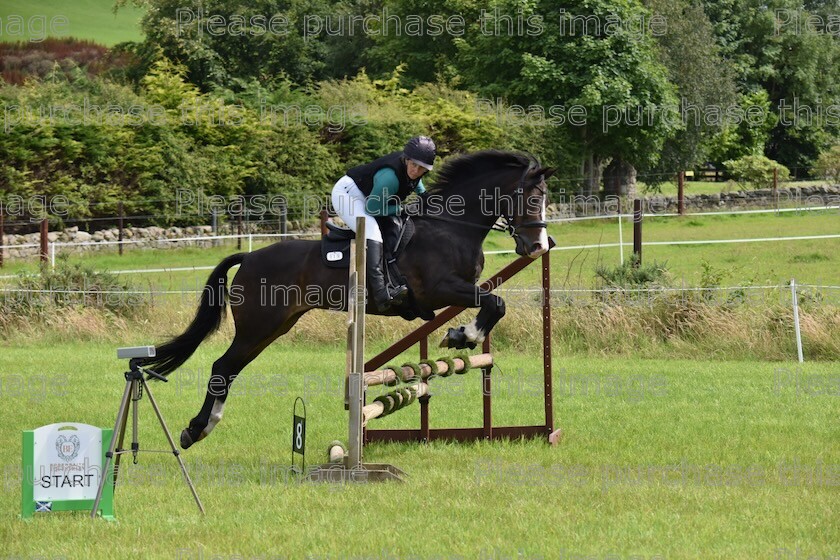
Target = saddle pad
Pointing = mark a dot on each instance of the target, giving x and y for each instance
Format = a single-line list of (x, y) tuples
[(335, 253)]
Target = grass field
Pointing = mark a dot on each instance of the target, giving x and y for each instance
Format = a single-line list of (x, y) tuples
[(669, 188), (771, 263), (85, 19), (670, 459)]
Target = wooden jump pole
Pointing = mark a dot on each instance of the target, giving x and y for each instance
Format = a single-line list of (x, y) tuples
[(356, 345), (408, 394), (406, 373), (398, 399)]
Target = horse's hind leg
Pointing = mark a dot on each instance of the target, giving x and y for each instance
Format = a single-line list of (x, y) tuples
[(224, 371), (246, 346)]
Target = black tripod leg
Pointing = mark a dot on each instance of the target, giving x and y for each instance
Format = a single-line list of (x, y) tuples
[(119, 448), (119, 427), (172, 445)]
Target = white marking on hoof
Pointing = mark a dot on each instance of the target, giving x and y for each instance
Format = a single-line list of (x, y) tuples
[(473, 333), (215, 417)]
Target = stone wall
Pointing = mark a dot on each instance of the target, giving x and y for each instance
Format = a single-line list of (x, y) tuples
[(24, 246)]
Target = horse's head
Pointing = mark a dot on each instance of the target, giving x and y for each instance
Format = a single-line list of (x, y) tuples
[(525, 216), (493, 184)]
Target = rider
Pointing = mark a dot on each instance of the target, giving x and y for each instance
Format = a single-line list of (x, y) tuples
[(377, 189)]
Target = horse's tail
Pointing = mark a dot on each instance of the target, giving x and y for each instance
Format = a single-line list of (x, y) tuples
[(172, 354)]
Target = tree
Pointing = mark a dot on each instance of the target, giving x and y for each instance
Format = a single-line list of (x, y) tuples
[(774, 49), (828, 165), (219, 41), (703, 78), (747, 132), (421, 35), (586, 55)]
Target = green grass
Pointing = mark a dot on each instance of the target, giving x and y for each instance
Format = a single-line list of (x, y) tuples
[(85, 19), (596, 494), (810, 261)]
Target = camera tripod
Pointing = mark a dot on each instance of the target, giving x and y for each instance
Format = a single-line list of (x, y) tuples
[(135, 384)]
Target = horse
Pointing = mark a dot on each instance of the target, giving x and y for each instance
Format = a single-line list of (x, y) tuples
[(442, 263)]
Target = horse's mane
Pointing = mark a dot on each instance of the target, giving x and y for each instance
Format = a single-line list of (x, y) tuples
[(467, 167)]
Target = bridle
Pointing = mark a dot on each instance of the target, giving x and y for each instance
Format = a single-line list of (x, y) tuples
[(507, 225)]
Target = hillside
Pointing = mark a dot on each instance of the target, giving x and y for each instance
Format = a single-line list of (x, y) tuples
[(85, 19)]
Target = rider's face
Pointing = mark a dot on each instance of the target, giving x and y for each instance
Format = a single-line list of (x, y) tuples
[(415, 171)]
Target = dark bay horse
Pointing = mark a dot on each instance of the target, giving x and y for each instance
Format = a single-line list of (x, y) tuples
[(276, 285)]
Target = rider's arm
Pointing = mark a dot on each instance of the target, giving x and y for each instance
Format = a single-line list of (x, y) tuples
[(383, 200)]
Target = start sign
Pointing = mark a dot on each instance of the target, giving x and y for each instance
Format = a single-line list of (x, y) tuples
[(62, 468)]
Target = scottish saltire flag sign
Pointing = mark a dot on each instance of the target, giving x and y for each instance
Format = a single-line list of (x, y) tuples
[(62, 467)]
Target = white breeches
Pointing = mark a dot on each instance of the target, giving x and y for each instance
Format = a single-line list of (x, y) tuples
[(349, 203)]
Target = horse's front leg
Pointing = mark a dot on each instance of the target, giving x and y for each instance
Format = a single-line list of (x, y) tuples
[(492, 309)]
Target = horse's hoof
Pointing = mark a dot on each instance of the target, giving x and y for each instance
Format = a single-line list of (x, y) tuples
[(455, 338), (186, 439)]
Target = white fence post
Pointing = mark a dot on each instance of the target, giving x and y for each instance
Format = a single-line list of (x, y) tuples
[(620, 237), (796, 320)]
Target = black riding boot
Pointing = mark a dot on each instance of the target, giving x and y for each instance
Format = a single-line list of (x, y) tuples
[(390, 227), (375, 276)]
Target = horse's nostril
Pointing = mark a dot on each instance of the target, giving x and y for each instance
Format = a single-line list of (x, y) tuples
[(537, 249)]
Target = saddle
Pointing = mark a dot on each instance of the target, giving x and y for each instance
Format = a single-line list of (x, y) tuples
[(397, 232)]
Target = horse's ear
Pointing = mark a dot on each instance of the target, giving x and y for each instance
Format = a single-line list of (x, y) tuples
[(546, 172)]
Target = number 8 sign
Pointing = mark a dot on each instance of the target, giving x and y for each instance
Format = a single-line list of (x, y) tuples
[(299, 436)]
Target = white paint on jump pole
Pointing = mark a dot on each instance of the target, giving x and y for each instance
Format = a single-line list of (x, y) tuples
[(337, 452)]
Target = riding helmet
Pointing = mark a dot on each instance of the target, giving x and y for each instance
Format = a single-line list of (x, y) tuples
[(421, 150)]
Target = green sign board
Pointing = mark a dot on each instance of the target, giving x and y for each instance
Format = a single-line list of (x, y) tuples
[(62, 468)]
